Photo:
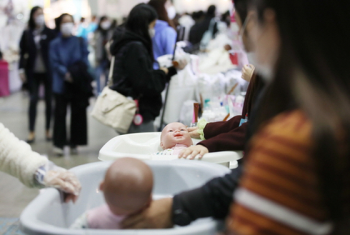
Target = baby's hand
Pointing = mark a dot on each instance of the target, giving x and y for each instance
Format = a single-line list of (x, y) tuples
[(192, 152), (194, 132)]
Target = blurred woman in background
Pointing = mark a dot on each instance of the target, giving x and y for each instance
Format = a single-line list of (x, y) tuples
[(34, 67), (165, 36), (102, 35), (133, 73), (66, 53)]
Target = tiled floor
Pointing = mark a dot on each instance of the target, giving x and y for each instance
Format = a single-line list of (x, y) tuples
[(13, 114)]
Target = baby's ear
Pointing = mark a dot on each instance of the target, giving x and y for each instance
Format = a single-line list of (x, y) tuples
[(102, 185), (162, 145)]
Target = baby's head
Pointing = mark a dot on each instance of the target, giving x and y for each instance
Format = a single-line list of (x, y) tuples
[(127, 186), (173, 134)]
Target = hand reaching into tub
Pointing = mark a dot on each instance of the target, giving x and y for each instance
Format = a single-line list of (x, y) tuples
[(50, 175), (158, 215), (65, 181), (192, 152)]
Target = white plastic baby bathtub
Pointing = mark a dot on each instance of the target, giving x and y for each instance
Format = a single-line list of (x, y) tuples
[(145, 145), (46, 214)]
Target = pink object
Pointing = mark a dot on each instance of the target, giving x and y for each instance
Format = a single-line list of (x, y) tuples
[(234, 58), (102, 218), (4, 79)]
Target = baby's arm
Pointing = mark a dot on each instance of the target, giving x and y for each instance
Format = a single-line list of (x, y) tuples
[(81, 222)]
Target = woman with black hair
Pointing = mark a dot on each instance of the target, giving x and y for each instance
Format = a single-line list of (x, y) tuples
[(296, 178), (164, 39), (133, 74), (71, 86), (34, 67), (102, 35)]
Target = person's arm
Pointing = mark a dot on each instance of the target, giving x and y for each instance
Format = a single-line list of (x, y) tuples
[(33, 170), (55, 62), (211, 200), (17, 158), (216, 128), (23, 50), (234, 140), (85, 51), (144, 78)]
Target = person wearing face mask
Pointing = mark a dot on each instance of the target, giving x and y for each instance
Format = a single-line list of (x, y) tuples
[(296, 179), (133, 73), (102, 35), (164, 38), (69, 54), (34, 67)]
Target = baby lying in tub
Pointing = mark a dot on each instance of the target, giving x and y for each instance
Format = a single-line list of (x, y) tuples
[(174, 139), (127, 189)]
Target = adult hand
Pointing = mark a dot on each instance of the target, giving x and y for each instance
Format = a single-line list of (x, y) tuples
[(157, 216), (65, 181), (68, 78), (180, 64), (247, 72), (194, 132), (165, 70), (23, 77), (194, 151)]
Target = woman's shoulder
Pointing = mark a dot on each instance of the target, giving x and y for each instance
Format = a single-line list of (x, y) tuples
[(294, 123), (288, 133)]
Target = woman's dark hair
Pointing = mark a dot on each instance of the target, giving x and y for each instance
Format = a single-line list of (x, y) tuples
[(318, 48), (58, 21), (241, 7), (138, 22), (159, 6), (103, 18), (211, 11), (114, 24), (31, 22)]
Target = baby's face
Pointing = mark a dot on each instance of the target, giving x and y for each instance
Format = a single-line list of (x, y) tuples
[(173, 134)]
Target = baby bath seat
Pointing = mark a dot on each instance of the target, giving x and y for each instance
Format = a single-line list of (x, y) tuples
[(144, 146)]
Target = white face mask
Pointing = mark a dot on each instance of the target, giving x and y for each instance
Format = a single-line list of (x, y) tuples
[(40, 20), (265, 72), (67, 29), (106, 25), (171, 12), (152, 32)]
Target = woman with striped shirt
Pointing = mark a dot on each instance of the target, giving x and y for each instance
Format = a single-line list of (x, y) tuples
[(297, 169)]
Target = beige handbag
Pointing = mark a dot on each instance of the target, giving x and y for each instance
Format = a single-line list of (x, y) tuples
[(113, 109)]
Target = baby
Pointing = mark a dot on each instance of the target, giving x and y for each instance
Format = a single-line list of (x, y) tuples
[(127, 189), (174, 138)]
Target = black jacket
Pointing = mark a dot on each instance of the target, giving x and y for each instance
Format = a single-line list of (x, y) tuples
[(82, 79), (215, 197), (133, 73), (29, 51)]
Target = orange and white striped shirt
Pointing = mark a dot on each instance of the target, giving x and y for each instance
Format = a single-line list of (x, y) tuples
[(280, 191)]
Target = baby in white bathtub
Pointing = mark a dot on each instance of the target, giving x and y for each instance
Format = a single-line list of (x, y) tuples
[(127, 189), (174, 138)]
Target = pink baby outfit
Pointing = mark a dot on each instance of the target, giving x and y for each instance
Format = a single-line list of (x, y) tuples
[(102, 218)]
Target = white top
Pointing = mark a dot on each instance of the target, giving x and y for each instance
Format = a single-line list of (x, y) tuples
[(17, 157)]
